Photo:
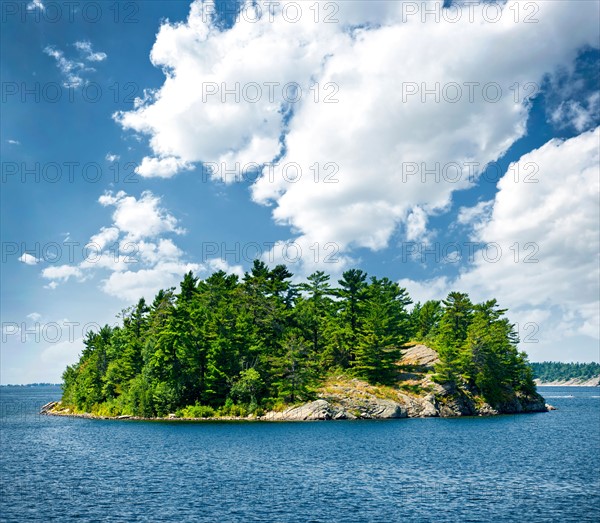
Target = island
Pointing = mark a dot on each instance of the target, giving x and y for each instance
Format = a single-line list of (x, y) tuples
[(266, 347)]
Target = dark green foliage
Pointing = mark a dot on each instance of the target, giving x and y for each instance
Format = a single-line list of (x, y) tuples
[(384, 328), (425, 319), (452, 333), (477, 345), (558, 371), (294, 371), (353, 292), (228, 347)]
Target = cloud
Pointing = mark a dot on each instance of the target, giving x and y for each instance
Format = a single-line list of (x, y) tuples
[(215, 106), (162, 251), (14, 142), (85, 47), (106, 236), (69, 68), (28, 259), (433, 289), (133, 251), (34, 316), (560, 216), (74, 70), (161, 167), (139, 218), (580, 115), (112, 157), (62, 273), (218, 264), (416, 225), (167, 270), (303, 257), (132, 285), (36, 4), (544, 241), (475, 216), (470, 215)]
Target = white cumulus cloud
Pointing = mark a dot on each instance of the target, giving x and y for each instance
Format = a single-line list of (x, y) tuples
[(28, 259), (132, 255), (140, 217), (62, 273), (225, 102), (544, 245), (161, 167), (132, 285)]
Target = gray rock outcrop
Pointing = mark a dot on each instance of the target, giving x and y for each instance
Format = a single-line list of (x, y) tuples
[(321, 409)]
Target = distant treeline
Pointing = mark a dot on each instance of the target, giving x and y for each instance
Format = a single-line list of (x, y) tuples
[(558, 371), (31, 385)]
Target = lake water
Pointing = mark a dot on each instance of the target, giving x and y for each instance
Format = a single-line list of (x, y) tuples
[(536, 467)]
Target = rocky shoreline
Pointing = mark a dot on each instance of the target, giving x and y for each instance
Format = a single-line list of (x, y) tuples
[(343, 398)]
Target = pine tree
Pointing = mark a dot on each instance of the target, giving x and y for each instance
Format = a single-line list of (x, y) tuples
[(428, 319), (352, 293), (312, 313), (453, 326), (385, 328)]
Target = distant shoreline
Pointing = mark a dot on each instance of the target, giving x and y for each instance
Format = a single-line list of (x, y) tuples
[(30, 384), (574, 382)]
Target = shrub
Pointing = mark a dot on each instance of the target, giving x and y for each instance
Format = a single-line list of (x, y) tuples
[(109, 408), (197, 411), (230, 409)]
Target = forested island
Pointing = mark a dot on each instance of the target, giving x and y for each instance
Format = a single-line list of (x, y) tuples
[(264, 347), (559, 373)]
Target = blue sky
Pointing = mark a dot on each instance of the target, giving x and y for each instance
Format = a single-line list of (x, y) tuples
[(449, 148)]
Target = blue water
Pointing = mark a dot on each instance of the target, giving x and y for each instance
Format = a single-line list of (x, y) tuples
[(537, 467)]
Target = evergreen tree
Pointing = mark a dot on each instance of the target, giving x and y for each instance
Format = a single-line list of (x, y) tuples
[(352, 293), (385, 327), (452, 333), (313, 312), (426, 319), (294, 371)]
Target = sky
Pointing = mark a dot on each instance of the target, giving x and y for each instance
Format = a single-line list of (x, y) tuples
[(446, 145)]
